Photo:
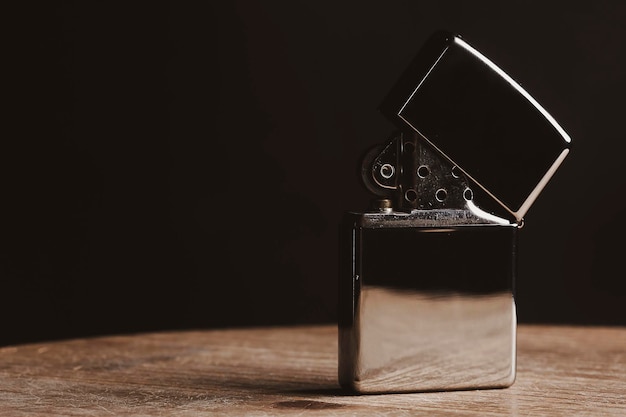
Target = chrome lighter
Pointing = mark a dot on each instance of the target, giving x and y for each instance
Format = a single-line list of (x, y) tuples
[(426, 280)]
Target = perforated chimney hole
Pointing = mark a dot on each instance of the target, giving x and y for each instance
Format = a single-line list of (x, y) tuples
[(410, 195), (441, 195), (468, 194), (456, 172), (423, 171)]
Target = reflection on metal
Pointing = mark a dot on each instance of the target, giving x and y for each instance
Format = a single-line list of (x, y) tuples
[(426, 307), (419, 341)]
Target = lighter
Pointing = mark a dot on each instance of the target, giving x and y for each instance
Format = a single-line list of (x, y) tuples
[(427, 273)]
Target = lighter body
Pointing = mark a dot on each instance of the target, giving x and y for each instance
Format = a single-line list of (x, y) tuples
[(426, 302)]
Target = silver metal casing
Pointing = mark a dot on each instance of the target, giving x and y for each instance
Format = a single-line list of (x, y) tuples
[(426, 302), (426, 279)]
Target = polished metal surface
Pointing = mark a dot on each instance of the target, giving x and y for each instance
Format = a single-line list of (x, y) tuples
[(479, 118), (425, 306)]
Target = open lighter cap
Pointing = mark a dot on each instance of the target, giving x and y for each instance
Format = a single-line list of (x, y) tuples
[(480, 119)]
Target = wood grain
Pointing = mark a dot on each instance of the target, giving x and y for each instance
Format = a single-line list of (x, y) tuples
[(562, 371)]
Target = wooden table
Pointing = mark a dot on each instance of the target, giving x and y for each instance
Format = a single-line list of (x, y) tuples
[(562, 371)]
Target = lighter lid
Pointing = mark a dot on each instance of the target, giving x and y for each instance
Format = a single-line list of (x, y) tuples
[(480, 119)]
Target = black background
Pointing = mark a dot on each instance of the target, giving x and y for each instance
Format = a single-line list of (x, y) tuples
[(185, 165)]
